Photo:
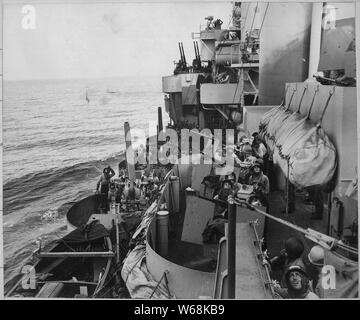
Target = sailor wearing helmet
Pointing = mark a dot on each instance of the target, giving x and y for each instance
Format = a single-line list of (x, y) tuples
[(225, 191), (297, 285), (260, 182)]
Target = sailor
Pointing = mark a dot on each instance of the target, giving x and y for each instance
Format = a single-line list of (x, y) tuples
[(122, 168), (260, 182), (131, 194), (102, 186), (289, 256), (258, 147), (225, 191), (112, 192), (232, 178), (119, 192), (297, 285), (244, 149), (244, 174), (209, 20)]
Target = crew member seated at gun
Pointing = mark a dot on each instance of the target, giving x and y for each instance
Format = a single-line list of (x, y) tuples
[(261, 185), (225, 191), (235, 185), (131, 194), (102, 187)]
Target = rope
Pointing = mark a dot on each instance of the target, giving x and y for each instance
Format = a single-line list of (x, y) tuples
[(158, 284), (72, 249), (283, 100), (312, 102), (262, 22), (109, 280), (246, 15), (292, 96), (98, 285), (305, 88), (133, 267), (252, 23), (331, 92)]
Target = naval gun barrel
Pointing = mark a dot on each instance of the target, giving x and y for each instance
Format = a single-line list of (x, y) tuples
[(198, 52), (196, 48), (183, 53)]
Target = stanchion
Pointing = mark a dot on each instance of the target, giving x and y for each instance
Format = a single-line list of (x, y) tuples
[(231, 253)]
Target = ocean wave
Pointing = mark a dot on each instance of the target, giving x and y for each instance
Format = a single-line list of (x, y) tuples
[(19, 192), (74, 141)]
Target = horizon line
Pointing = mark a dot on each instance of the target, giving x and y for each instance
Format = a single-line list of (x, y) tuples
[(80, 78)]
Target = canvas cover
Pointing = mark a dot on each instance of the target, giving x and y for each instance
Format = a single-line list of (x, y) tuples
[(299, 147), (90, 232), (138, 279)]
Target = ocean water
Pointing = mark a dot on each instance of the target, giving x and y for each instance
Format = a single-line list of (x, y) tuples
[(55, 146)]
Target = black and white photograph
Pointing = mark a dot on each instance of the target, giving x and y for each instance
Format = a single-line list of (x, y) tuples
[(179, 150)]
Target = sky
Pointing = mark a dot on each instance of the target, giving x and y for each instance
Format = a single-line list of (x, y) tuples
[(88, 40)]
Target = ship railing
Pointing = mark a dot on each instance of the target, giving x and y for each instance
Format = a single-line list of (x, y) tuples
[(195, 35), (262, 256)]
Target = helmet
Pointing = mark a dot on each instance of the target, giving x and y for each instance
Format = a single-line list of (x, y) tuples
[(247, 149), (227, 181), (250, 159), (316, 256), (295, 268), (256, 165), (294, 247), (231, 176)]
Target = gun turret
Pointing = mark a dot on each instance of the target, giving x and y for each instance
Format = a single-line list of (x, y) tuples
[(181, 65)]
